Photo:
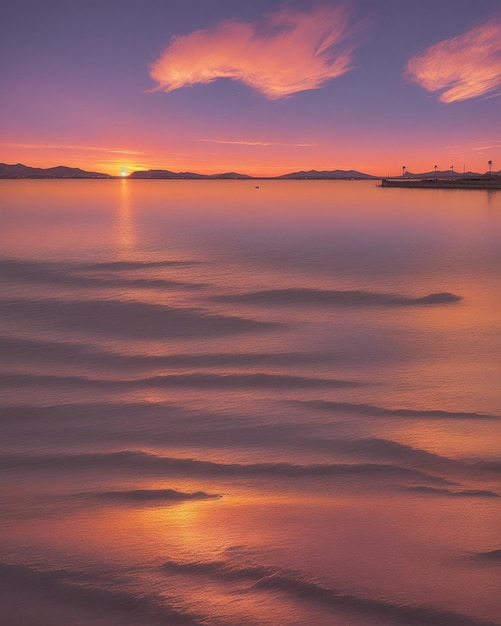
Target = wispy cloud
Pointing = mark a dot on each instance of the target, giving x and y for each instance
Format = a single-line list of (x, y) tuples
[(243, 142), (124, 151), (475, 146), (486, 147), (463, 67), (289, 51), (67, 146)]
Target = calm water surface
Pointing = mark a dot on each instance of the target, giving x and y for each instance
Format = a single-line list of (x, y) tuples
[(225, 405)]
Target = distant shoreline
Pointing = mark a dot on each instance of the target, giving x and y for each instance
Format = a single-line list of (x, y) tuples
[(61, 171), (429, 180), (451, 183), (208, 178), (476, 185)]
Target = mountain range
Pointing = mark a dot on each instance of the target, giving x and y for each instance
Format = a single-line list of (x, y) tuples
[(448, 174), (187, 175), (328, 175), (311, 174), (23, 171)]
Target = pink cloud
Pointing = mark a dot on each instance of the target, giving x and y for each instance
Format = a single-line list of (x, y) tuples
[(67, 146), (289, 51), (243, 142), (463, 67)]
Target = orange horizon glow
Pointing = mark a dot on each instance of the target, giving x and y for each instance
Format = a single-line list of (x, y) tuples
[(300, 92), (257, 163)]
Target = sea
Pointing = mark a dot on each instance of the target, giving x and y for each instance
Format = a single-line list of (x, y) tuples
[(241, 402)]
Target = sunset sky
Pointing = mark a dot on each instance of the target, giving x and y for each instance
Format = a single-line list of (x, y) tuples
[(262, 87)]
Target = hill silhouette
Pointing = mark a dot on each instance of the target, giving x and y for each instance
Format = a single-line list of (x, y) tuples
[(61, 171), (187, 175), (328, 175)]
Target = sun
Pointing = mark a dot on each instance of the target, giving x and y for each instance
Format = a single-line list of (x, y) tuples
[(123, 172)]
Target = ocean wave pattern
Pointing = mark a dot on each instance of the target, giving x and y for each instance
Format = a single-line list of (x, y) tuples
[(270, 579), (219, 421), (87, 595), (318, 297)]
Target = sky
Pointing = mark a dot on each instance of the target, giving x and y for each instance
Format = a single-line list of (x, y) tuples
[(261, 87)]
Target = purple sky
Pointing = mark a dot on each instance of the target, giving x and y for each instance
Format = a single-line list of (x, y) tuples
[(261, 87)]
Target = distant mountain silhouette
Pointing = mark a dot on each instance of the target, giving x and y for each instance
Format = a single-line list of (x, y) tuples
[(329, 174), (188, 175), (22, 171), (230, 175), (164, 174), (312, 174), (448, 174)]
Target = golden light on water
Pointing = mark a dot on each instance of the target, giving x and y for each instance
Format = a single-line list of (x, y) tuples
[(125, 222), (186, 459)]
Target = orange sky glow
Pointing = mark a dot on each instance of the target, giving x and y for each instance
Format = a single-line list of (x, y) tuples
[(262, 90)]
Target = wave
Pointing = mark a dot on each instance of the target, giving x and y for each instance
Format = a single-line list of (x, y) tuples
[(200, 380), (81, 592), (152, 495), (134, 283), (136, 425), (51, 351), (128, 319), (468, 493), (164, 423), (334, 298), (272, 579), (388, 449), (174, 421), (50, 273), (74, 412), (150, 463), (370, 410), (180, 424), (489, 466), (136, 265), (494, 555)]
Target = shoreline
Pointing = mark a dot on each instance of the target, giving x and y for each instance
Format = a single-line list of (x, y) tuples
[(447, 183)]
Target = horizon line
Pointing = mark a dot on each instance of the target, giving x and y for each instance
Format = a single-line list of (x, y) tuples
[(126, 173)]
